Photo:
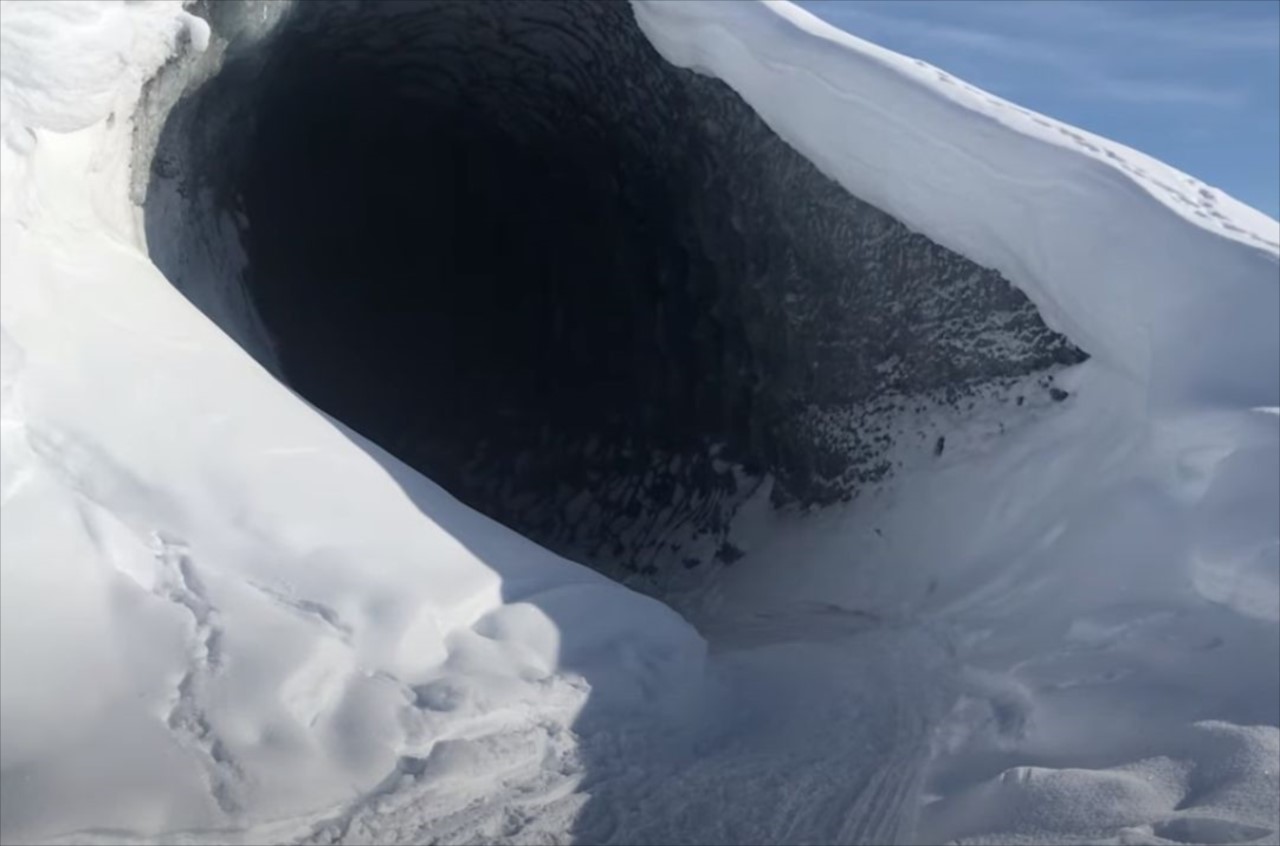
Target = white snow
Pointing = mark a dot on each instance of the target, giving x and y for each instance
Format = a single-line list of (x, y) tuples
[(225, 617)]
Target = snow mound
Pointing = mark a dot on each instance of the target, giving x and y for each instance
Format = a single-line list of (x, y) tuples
[(228, 618)]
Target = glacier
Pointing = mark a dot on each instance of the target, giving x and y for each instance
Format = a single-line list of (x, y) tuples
[(228, 614)]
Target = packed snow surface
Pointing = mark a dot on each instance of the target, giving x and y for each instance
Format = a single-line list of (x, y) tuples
[(225, 617)]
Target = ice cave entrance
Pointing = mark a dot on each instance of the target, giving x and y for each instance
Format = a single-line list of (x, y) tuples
[(591, 294)]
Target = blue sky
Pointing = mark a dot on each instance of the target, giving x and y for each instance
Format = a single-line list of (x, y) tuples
[(1195, 83)]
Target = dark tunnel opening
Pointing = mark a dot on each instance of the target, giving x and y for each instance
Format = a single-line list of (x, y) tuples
[(589, 293)]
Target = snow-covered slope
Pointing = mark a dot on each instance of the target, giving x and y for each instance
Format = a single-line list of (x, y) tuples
[(220, 608), (225, 616)]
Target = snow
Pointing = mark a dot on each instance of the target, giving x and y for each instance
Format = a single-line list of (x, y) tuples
[(226, 617), (1085, 643)]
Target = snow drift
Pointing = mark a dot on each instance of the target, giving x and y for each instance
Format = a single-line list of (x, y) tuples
[(741, 250)]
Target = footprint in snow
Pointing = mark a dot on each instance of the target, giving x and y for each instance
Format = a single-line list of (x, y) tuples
[(316, 612)]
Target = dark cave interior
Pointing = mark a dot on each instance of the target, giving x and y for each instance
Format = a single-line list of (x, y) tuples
[(589, 293)]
